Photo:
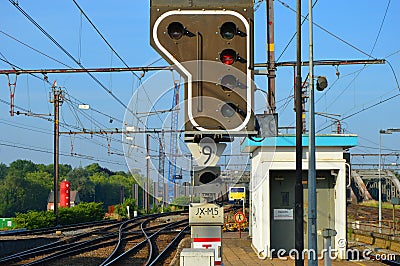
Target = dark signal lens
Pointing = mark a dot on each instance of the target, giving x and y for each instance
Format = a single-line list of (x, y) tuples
[(228, 30), (176, 30), (228, 110), (228, 56), (228, 82), (322, 83), (207, 177)]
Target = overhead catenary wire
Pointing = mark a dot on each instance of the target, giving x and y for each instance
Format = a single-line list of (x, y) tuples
[(65, 51), (330, 33), (367, 54), (294, 35), (99, 125), (82, 156), (40, 130), (120, 58), (362, 110), (77, 102), (372, 49), (34, 49), (30, 128), (47, 81), (114, 51), (15, 3), (356, 73), (380, 27), (287, 98), (102, 36), (64, 125)]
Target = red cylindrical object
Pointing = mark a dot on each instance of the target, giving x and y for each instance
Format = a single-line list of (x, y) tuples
[(65, 192)]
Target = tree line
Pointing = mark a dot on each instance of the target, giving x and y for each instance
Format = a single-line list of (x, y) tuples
[(25, 185)]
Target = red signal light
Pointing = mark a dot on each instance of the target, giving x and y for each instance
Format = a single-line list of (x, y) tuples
[(228, 56)]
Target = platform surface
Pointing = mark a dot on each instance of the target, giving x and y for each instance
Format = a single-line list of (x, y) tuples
[(237, 252)]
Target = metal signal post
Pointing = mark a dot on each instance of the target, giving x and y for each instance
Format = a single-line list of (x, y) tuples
[(299, 227), (57, 100)]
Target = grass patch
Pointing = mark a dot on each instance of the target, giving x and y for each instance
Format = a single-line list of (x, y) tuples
[(374, 203)]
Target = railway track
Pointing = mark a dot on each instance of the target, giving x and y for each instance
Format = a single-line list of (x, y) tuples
[(142, 241), (368, 213), (64, 228)]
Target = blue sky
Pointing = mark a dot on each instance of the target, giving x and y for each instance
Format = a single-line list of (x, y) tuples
[(125, 24)]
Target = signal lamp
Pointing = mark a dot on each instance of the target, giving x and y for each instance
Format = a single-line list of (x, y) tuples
[(228, 82), (228, 56), (322, 83), (228, 109), (228, 30), (176, 30), (207, 177)]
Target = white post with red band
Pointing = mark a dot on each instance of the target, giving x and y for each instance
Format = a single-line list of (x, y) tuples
[(206, 221)]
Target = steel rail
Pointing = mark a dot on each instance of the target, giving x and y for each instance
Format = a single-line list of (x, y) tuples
[(172, 244), (120, 239), (81, 247), (66, 244), (51, 247), (51, 229), (139, 245), (117, 246)]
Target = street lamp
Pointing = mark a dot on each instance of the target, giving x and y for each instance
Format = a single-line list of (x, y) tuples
[(382, 131)]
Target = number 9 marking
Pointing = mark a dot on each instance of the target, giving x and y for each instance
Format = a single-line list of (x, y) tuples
[(207, 150)]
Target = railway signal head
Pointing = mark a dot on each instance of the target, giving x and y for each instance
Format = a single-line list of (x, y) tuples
[(210, 45)]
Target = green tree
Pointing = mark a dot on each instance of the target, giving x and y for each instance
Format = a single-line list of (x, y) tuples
[(121, 209), (96, 168), (44, 179), (81, 182), (34, 219), (63, 170), (83, 212), (3, 170), (41, 183), (12, 195), (93, 168), (181, 201), (25, 185), (22, 167)]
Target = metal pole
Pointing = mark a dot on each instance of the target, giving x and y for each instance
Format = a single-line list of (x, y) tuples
[(271, 56), (380, 184), (244, 201), (299, 230), (312, 184), (56, 94), (250, 210), (148, 173), (327, 247), (327, 234)]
